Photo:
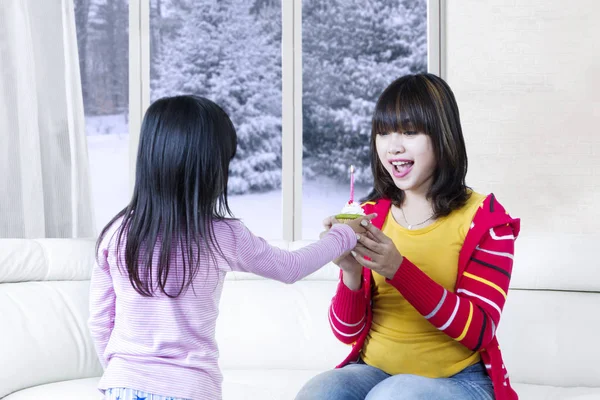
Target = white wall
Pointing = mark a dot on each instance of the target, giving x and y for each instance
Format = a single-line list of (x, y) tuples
[(527, 81)]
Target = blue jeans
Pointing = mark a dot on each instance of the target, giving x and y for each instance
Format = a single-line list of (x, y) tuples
[(362, 382)]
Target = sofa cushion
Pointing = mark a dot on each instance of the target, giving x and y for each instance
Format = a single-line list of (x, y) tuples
[(285, 327), (24, 260), (556, 261), (548, 337), (538, 392), (270, 325), (77, 389), (47, 339)]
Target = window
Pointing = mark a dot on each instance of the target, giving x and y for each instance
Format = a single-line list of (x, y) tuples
[(102, 39), (302, 118)]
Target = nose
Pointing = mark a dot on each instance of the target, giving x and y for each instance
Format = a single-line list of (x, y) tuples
[(396, 145)]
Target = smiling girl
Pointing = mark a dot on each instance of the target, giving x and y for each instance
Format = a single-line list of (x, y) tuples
[(421, 295)]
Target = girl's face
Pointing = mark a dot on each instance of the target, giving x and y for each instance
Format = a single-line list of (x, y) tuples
[(409, 159)]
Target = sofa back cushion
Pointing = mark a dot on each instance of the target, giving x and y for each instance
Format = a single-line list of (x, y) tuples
[(549, 337), (44, 288)]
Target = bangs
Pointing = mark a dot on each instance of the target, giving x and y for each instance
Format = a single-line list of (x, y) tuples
[(401, 111)]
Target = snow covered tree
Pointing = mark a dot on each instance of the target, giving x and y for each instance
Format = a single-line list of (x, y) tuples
[(229, 51), (352, 49)]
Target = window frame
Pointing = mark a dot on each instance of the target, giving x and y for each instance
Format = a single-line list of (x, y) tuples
[(291, 141)]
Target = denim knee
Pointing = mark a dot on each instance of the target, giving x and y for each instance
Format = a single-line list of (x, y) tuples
[(405, 387), (352, 382)]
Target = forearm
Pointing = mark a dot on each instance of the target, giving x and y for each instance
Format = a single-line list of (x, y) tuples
[(471, 314), (258, 257), (101, 307), (100, 324), (457, 316), (348, 310), (352, 280), (100, 339)]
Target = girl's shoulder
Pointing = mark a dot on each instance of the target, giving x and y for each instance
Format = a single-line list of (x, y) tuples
[(474, 202), (230, 230), (106, 244), (486, 208), (490, 213), (489, 206), (475, 198), (229, 225), (110, 235)]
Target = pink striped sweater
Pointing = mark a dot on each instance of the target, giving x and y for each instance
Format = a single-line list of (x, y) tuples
[(167, 346), (470, 314)]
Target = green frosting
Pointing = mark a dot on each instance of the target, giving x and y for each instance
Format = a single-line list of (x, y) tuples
[(347, 216)]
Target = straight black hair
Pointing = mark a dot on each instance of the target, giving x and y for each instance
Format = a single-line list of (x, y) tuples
[(423, 103), (186, 145)]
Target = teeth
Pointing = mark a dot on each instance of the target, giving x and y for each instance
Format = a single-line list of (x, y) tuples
[(399, 163)]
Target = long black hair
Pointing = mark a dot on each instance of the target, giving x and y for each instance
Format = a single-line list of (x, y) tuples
[(186, 144), (423, 103)]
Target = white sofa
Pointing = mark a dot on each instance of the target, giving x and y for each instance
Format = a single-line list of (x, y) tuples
[(549, 332)]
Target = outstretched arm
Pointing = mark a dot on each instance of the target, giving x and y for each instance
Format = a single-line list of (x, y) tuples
[(257, 256)]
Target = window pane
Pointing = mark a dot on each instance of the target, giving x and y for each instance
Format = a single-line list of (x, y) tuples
[(352, 50), (102, 39), (229, 51)]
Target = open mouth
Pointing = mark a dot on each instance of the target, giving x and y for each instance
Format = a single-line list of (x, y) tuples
[(402, 168)]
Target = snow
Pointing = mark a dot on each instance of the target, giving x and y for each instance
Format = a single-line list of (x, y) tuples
[(106, 124), (109, 174)]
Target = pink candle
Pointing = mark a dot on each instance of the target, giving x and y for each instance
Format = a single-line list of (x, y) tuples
[(351, 184)]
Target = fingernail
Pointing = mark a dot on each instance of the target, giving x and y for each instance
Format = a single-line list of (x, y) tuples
[(364, 222), (353, 253), (357, 237)]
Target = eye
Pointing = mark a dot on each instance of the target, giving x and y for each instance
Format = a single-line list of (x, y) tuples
[(384, 133), (411, 133)]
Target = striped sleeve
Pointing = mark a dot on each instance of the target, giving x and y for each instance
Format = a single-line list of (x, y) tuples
[(472, 314), (102, 306), (348, 313), (256, 255)]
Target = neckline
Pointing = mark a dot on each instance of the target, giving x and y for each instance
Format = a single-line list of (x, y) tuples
[(418, 231)]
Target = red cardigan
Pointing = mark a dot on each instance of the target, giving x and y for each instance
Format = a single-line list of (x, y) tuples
[(469, 315)]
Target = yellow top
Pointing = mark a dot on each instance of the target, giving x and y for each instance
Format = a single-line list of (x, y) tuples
[(402, 341)]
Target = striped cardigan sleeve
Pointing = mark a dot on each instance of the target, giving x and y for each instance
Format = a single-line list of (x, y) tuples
[(348, 313), (472, 313)]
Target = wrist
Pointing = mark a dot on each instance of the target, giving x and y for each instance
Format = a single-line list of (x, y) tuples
[(394, 271), (352, 280)]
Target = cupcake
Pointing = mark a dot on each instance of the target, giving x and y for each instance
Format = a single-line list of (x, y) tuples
[(350, 212)]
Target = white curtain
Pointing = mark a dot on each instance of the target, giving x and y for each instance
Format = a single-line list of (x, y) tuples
[(44, 178)]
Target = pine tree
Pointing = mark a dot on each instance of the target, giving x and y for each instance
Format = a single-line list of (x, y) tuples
[(352, 50), (229, 52)]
